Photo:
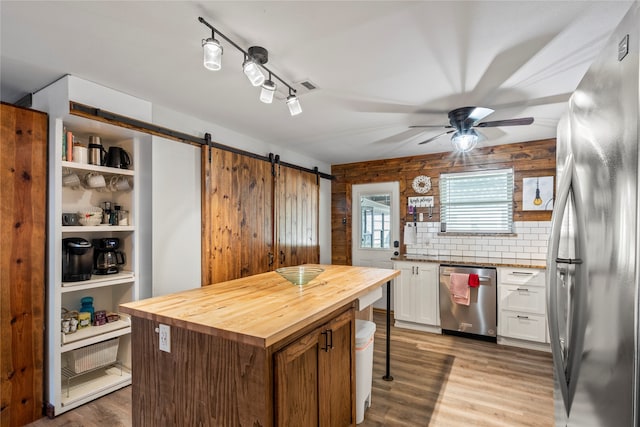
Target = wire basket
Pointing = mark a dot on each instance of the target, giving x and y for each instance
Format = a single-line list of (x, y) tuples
[(92, 356)]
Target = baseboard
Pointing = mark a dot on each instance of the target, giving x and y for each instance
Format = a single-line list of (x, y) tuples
[(417, 327), (524, 344)]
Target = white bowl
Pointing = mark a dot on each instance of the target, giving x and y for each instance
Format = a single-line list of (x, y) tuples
[(91, 216)]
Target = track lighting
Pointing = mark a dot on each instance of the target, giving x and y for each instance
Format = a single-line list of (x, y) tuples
[(212, 53), (253, 73), (464, 140), (268, 90), (255, 59), (293, 104)]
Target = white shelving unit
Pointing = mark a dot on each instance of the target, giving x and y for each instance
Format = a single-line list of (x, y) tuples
[(64, 391)]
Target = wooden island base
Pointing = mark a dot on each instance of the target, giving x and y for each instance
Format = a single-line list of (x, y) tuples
[(298, 370)]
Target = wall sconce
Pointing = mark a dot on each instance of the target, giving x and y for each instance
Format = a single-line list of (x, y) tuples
[(255, 59)]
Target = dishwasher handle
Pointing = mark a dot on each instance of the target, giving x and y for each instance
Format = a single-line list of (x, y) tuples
[(481, 278)]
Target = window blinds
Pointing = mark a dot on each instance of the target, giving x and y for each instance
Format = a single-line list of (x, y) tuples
[(477, 202)]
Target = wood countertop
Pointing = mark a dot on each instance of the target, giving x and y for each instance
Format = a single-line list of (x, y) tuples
[(263, 309), (475, 261)]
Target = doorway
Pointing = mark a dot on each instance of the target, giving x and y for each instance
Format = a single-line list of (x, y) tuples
[(375, 226)]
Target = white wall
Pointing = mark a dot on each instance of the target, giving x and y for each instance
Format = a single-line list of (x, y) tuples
[(176, 216), (176, 198)]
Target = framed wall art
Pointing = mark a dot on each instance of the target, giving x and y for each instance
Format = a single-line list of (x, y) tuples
[(537, 193)]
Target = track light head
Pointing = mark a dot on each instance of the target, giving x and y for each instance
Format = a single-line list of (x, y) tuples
[(212, 51), (252, 71), (267, 92), (294, 104)]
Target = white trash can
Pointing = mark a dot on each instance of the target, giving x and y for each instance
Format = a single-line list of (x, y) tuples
[(365, 331)]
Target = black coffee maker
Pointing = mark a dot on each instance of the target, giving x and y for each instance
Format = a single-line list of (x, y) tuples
[(77, 259), (107, 257)]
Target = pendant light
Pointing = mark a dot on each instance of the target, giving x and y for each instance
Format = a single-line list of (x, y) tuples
[(268, 90), (255, 59)]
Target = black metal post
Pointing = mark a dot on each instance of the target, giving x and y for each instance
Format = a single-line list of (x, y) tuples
[(387, 376)]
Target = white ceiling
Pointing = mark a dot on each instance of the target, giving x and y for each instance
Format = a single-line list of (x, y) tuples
[(380, 66)]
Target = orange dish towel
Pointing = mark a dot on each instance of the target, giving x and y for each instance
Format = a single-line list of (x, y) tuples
[(459, 288)]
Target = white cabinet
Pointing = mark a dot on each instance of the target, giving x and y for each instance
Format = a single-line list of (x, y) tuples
[(416, 296), (94, 360), (522, 319)]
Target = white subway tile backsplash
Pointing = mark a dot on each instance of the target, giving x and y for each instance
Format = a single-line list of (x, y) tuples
[(530, 242)]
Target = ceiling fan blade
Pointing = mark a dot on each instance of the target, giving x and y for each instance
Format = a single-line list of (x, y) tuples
[(430, 126), (479, 113), (435, 137), (507, 122)]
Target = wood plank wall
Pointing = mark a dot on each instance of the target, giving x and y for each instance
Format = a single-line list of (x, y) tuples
[(23, 209), (528, 159)]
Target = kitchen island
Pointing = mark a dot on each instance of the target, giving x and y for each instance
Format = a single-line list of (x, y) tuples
[(256, 351)]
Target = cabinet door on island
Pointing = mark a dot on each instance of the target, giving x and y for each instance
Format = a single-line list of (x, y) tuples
[(315, 377)]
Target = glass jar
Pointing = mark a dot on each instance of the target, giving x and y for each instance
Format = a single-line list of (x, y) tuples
[(87, 306)]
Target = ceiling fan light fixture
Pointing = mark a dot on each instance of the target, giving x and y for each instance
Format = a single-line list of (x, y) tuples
[(212, 52), (267, 92), (464, 141)]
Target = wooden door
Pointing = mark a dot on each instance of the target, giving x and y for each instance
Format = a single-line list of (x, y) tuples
[(237, 216), (315, 377), (296, 381), (337, 369), (296, 203), (23, 209)]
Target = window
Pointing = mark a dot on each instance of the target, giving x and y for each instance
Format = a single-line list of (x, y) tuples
[(375, 220), (477, 202)]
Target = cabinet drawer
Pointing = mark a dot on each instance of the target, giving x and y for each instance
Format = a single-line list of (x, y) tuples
[(524, 326), (521, 276), (530, 299)]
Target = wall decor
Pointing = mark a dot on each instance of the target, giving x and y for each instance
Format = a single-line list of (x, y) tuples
[(537, 193), (421, 184)]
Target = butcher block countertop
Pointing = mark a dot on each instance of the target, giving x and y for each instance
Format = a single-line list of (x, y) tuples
[(263, 309), (475, 261)]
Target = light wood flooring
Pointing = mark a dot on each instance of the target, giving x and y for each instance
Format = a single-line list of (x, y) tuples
[(439, 381)]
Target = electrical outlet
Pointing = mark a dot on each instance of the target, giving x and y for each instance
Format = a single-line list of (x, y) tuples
[(165, 338)]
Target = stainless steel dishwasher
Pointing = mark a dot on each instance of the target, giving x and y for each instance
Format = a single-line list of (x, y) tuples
[(479, 317)]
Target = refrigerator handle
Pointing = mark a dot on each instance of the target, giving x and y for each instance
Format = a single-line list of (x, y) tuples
[(562, 196)]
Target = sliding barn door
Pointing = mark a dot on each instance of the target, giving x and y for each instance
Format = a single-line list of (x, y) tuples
[(296, 206), (236, 216), (23, 210)]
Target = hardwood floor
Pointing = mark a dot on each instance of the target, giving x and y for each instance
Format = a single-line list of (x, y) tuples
[(439, 381), (442, 381)]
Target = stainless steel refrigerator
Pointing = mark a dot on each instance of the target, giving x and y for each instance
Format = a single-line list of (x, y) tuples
[(592, 265)]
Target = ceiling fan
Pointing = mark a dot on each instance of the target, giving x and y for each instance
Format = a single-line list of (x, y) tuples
[(463, 121)]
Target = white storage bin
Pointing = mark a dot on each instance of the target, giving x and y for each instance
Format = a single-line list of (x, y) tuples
[(365, 331), (92, 356)]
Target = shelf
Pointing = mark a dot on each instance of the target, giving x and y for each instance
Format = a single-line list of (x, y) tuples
[(98, 280), (96, 168), (95, 384), (95, 228), (83, 337)]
